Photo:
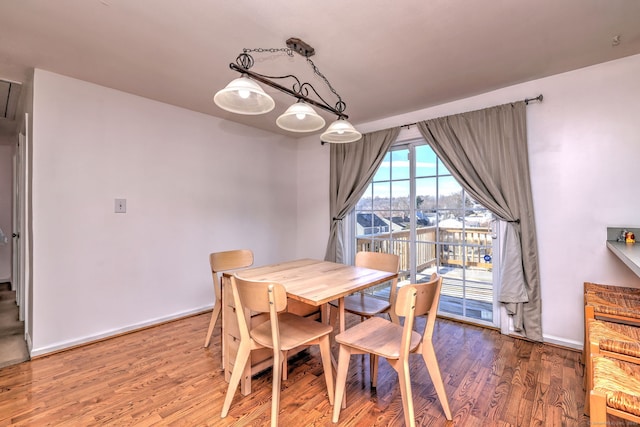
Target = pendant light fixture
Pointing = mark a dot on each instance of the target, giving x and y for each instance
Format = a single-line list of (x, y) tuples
[(340, 132), (245, 96), (300, 117)]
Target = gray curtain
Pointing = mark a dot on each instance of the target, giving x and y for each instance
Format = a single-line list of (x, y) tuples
[(352, 168), (486, 151)]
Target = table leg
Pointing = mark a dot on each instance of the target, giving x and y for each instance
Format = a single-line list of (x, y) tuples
[(341, 315), (342, 320)]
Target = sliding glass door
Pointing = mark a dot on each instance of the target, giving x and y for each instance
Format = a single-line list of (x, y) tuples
[(414, 208)]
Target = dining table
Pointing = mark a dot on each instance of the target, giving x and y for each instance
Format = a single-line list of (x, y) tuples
[(308, 281)]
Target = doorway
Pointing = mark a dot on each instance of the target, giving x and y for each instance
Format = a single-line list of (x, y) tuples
[(416, 209), (13, 348)]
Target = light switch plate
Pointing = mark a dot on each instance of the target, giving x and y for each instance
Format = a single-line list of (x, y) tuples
[(121, 206)]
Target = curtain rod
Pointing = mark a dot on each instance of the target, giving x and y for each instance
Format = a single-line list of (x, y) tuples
[(538, 98)]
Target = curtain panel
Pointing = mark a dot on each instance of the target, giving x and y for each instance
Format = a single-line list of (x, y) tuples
[(352, 167), (486, 151)]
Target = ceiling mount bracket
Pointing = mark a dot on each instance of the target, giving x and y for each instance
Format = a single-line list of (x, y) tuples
[(300, 47)]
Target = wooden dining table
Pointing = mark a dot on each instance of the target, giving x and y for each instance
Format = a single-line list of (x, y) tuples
[(309, 281)]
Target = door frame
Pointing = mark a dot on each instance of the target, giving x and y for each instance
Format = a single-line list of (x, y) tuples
[(19, 222)]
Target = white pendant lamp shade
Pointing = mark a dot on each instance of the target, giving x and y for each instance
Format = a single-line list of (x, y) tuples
[(340, 132), (244, 96), (300, 117)]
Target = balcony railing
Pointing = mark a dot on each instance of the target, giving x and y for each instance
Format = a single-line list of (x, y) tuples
[(449, 249), (469, 246)]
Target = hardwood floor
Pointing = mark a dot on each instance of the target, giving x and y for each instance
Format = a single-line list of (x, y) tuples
[(163, 376)]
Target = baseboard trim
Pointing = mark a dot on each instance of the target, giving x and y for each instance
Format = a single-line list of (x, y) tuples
[(563, 342), (68, 345)]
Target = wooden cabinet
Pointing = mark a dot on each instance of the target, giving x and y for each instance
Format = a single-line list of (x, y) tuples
[(260, 359)]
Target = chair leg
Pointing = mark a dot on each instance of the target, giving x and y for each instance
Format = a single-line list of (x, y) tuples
[(429, 356), (333, 317), (278, 361), (212, 323), (325, 353), (242, 359), (341, 380), (589, 313), (373, 369), (285, 366), (405, 391), (598, 408)]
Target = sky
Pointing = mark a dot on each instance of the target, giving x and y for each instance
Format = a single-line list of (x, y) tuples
[(396, 166)]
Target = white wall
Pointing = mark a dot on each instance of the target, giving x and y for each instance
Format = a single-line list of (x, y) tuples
[(193, 183), (584, 143), (313, 197), (6, 196)]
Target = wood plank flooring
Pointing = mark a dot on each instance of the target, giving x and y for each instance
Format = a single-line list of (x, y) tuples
[(162, 376)]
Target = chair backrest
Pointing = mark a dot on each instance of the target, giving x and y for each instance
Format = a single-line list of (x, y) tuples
[(260, 297), (384, 262), (417, 300), (230, 260), (378, 261)]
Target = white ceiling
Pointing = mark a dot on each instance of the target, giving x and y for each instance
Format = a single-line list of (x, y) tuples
[(383, 57)]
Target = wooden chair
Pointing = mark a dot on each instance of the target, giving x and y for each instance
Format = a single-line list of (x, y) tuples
[(224, 261), (611, 289), (615, 391), (620, 306), (613, 340), (386, 339), (367, 306), (284, 331)]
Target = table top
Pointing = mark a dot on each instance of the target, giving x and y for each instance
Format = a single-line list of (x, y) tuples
[(317, 282)]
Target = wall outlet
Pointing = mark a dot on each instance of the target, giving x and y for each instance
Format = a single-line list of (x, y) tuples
[(121, 205)]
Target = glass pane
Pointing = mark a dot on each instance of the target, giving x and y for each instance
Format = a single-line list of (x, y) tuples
[(449, 193), (426, 193), (400, 164), (384, 170), (426, 161), (366, 201), (365, 223), (425, 258), (401, 248), (452, 295), (480, 218), (403, 277), (479, 304), (381, 194), (400, 196), (378, 245), (426, 234), (363, 243), (400, 222), (450, 218), (451, 255)]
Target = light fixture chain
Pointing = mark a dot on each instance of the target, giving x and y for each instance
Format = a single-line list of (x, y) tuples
[(286, 50), (340, 105)]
